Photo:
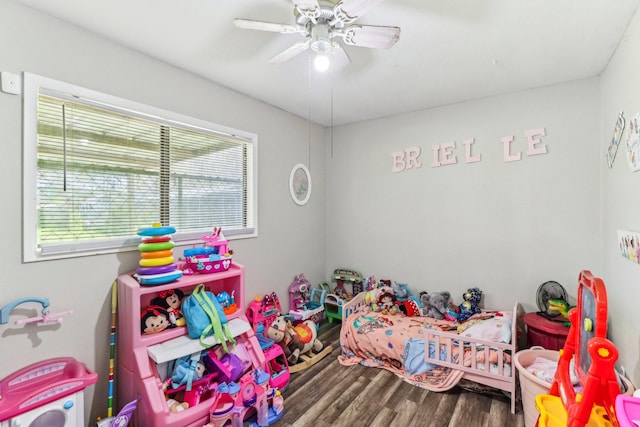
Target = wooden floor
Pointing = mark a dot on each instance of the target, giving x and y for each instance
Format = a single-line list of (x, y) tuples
[(329, 394)]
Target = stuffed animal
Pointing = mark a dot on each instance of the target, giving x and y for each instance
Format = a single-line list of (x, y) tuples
[(470, 305), (401, 291), (154, 319), (171, 300), (412, 306), (294, 340), (435, 304)]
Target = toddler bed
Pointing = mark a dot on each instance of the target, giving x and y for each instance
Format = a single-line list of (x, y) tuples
[(434, 354)]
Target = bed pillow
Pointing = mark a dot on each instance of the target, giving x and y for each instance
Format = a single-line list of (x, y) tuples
[(496, 329)]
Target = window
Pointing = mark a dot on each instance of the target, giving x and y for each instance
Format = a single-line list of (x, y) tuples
[(97, 168)]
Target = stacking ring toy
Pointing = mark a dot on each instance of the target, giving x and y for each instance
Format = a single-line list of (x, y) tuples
[(157, 270), (156, 254), (158, 279), (154, 262), (161, 246), (156, 230), (157, 239)]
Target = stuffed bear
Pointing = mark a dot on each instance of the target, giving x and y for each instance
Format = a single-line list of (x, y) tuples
[(470, 305), (435, 304)]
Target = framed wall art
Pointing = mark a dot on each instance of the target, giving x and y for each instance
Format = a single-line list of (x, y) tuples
[(300, 184)]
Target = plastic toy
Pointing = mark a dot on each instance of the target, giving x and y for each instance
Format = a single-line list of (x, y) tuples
[(299, 291), (227, 301), (594, 358), (333, 307), (120, 420), (56, 383), (229, 368), (628, 410), (340, 276), (263, 310), (261, 313), (306, 303), (213, 257), (45, 316), (251, 402), (313, 309), (156, 266)]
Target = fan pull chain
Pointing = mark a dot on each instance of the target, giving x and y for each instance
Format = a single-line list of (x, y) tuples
[(309, 117), (331, 112)]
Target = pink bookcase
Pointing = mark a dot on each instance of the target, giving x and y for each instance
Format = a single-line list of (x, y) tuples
[(142, 358)]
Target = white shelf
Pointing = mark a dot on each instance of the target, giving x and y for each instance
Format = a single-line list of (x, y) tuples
[(183, 345)]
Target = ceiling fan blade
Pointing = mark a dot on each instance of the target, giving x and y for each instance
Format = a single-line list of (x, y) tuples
[(248, 24), (339, 56), (378, 37), (306, 4), (356, 8), (290, 52)]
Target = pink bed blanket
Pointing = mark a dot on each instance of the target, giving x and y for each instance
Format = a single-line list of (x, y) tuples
[(396, 343)]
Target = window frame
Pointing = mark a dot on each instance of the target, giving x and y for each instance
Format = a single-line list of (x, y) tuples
[(33, 86)]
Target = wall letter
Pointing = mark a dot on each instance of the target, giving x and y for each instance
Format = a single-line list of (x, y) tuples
[(412, 157), (398, 161), (448, 158), (436, 154), (532, 138), (506, 142), (468, 157)]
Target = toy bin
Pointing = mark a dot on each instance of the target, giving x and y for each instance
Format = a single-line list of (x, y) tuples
[(549, 334), (530, 385)]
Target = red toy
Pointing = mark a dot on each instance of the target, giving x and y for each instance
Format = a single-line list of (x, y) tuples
[(594, 357)]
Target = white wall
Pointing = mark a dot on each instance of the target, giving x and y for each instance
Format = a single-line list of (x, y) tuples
[(620, 91), (505, 227), (291, 237)]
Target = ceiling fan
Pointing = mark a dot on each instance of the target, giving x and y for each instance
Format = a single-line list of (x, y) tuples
[(321, 22)]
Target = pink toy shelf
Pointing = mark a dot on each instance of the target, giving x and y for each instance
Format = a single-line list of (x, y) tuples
[(143, 359), (44, 382)]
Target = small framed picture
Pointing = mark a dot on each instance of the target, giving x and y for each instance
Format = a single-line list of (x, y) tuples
[(615, 139), (300, 184), (629, 243)]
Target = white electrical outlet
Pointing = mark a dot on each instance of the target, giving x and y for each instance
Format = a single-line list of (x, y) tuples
[(10, 83)]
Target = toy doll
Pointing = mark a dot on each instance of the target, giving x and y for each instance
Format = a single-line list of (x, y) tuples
[(154, 319), (171, 300), (387, 301)]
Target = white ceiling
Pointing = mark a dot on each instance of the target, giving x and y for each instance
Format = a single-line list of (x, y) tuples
[(449, 50)]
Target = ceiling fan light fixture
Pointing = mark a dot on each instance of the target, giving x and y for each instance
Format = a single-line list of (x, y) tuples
[(321, 62)]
